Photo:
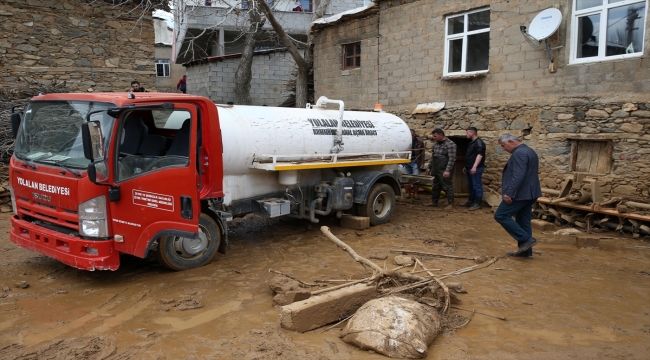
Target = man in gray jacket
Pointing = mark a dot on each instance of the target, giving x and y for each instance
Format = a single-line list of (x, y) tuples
[(520, 189)]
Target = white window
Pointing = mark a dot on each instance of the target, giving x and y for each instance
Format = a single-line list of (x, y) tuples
[(467, 43), (607, 29), (162, 68)]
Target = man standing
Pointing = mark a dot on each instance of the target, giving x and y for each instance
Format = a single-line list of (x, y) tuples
[(520, 189), (182, 84), (474, 166), (442, 168), (417, 160)]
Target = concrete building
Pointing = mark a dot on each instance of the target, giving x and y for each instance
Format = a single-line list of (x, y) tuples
[(168, 72), (75, 44), (587, 114)]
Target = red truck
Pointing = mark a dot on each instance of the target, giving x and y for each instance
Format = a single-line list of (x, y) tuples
[(96, 175)]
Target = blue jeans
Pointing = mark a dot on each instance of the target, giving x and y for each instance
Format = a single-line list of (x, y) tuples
[(519, 228), (413, 168), (475, 182)]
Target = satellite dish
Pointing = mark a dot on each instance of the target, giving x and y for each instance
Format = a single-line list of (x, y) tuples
[(545, 24), (542, 27)]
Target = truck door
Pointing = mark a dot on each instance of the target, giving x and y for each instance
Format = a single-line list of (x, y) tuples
[(156, 172)]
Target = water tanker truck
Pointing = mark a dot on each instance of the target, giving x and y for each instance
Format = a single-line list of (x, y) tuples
[(96, 175)]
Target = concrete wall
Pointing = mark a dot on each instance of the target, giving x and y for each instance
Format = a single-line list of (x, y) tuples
[(168, 84), (608, 100), (87, 46), (216, 79)]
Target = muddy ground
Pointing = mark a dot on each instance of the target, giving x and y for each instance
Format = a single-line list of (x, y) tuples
[(565, 303)]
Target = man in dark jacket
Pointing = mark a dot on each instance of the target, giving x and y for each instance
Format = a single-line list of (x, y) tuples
[(474, 166), (417, 160), (443, 158), (520, 189)]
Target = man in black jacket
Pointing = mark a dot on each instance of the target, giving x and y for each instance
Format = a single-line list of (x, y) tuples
[(474, 166), (520, 189)]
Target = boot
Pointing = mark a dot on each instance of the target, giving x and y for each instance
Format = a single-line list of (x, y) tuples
[(477, 205), (450, 200), (469, 202), (416, 190), (433, 203), (407, 190)]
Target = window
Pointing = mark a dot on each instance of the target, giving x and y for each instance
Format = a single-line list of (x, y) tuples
[(244, 4), (162, 68), (607, 29), (208, 2), (352, 56), (467, 43), (591, 157)]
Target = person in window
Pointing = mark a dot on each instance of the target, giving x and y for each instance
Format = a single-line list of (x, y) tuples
[(298, 6), (135, 87), (182, 84)]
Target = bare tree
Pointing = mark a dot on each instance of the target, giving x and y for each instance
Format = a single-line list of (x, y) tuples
[(244, 70), (304, 63)]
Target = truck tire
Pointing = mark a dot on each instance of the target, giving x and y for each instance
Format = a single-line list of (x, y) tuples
[(179, 253), (380, 204)]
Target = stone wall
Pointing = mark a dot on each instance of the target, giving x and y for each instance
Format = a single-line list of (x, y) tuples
[(402, 63), (86, 45), (552, 131), (215, 78)]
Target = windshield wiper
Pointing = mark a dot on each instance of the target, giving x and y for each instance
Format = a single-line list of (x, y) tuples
[(60, 163), (26, 163)]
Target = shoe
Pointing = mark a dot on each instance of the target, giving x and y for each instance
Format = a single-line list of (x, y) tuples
[(432, 204), (449, 207), (478, 204), (525, 246), (523, 255), (416, 196), (416, 190), (468, 203), (407, 191)]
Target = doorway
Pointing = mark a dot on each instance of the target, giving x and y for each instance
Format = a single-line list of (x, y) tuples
[(460, 180)]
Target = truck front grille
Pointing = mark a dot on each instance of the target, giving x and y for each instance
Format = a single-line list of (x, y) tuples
[(66, 218)]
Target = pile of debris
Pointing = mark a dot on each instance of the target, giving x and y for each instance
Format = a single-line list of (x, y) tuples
[(396, 312)]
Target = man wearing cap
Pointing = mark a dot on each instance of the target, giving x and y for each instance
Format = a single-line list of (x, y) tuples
[(474, 166), (441, 166), (413, 168)]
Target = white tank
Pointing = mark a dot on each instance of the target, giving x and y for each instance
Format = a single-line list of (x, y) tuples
[(253, 133)]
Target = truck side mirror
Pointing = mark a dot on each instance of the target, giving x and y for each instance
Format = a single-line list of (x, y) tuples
[(16, 119), (93, 140), (97, 172)]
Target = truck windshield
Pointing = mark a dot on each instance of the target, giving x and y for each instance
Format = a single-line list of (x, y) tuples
[(51, 132)]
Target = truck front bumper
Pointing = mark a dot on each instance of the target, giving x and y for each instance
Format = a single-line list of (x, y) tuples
[(70, 250)]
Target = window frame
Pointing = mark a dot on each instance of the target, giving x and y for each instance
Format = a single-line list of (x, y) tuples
[(463, 36), (166, 64), (344, 56), (244, 4), (603, 11)]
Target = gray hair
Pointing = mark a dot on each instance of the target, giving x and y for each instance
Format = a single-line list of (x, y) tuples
[(507, 137)]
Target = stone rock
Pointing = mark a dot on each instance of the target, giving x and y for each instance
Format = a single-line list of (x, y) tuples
[(565, 116), (112, 62), (281, 284), (553, 129), (620, 114), (641, 113), (98, 51), (83, 63), (587, 241), (74, 33), (547, 115), (403, 260), (625, 190), (519, 125), (631, 128), (629, 107), (593, 113), (588, 130), (500, 125), (290, 297), (27, 47), (355, 222), (579, 115), (188, 304), (571, 129), (542, 225), (55, 32)]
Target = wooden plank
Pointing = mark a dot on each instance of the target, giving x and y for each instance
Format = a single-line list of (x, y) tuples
[(604, 164), (584, 156), (572, 205)]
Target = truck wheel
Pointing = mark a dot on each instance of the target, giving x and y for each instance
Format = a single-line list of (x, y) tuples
[(179, 253), (380, 204)]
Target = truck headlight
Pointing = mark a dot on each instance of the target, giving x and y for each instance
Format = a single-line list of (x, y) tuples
[(13, 199), (92, 217)]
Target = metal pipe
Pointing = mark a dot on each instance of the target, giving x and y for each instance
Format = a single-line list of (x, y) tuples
[(338, 139), (637, 205), (627, 228), (313, 211)]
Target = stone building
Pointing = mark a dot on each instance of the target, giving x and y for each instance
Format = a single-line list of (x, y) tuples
[(586, 114), (82, 44), (214, 77)]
